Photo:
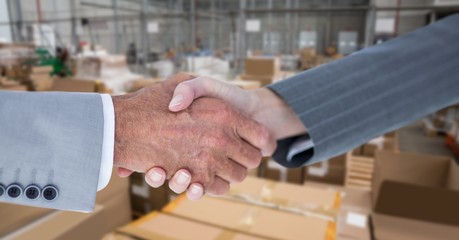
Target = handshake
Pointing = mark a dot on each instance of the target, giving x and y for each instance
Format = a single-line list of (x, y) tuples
[(198, 133)]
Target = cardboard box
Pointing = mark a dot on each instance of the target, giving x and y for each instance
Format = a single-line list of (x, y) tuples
[(287, 197), (117, 211), (114, 198), (350, 197), (141, 83), (258, 221), (73, 85), (119, 236), (115, 187), (144, 198), (271, 170), (264, 80), (354, 214), (332, 171), (360, 161), (415, 196), (262, 66), (41, 82), (16, 216), (162, 226), (13, 88), (64, 225), (247, 84), (46, 70), (380, 143)]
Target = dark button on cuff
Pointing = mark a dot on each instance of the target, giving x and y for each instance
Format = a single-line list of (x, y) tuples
[(50, 193), (32, 192), (14, 191)]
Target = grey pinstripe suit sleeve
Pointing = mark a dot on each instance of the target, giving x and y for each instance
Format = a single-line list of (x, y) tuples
[(348, 102), (51, 139)]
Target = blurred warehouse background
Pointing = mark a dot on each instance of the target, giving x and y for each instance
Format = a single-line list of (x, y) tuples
[(120, 46)]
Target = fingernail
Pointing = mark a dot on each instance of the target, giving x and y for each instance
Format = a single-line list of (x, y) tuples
[(156, 176), (196, 189), (176, 101), (182, 178)]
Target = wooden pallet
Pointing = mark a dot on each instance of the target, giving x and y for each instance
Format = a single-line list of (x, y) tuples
[(359, 171)]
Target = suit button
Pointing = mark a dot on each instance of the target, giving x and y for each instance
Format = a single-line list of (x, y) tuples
[(50, 193), (32, 192), (2, 190), (14, 191)]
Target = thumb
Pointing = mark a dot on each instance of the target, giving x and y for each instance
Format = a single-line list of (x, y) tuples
[(186, 92)]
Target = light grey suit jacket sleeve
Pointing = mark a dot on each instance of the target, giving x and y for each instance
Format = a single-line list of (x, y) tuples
[(50, 149), (348, 102)]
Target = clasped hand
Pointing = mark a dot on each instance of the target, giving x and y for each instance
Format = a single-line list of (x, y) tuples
[(200, 147)]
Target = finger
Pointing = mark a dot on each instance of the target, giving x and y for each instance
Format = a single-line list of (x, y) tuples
[(257, 135), (195, 192), (187, 91), (123, 172), (180, 181), (155, 177), (242, 153), (218, 187), (231, 171)]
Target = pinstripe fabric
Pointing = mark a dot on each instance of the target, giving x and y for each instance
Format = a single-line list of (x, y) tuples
[(379, 89)]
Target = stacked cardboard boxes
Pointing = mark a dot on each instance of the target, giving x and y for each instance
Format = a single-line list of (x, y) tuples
[(18, 216), (266, 70), (253, 220), (141, 83), (309, 58), (144, 198), (254, 209), (112, 211), (354, 214), (360, 161), (332, 171), (110, 70), (246, 84), (40, 78), (79, 85), (9, 85), (415, 197), (13, 55), (269, 169), (162, 226)]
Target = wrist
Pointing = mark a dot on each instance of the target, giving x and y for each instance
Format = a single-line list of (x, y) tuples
[(275, 114), (117, 106)]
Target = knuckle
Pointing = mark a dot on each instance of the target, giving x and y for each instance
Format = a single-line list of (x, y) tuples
[(216, 139), (264, 137)]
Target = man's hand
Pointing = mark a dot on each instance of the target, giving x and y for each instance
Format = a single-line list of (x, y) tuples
[(213, 142), (262, 105)]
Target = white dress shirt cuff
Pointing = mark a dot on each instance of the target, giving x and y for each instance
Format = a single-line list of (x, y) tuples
[(108, 144), (300, 145)]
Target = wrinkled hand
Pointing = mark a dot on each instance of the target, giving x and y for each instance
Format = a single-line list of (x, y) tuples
[(213, 142), (262, 105)]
